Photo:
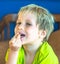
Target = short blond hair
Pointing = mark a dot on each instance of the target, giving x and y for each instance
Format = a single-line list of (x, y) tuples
[(44, 17)]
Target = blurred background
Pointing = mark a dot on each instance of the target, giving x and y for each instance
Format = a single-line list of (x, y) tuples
[(13, 7)]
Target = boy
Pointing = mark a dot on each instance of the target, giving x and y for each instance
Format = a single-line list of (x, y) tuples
[(29, 45)]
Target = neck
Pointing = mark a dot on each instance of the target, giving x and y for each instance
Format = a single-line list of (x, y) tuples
[(31, 49)]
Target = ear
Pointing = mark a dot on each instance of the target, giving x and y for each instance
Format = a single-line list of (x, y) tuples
[(42, 33)]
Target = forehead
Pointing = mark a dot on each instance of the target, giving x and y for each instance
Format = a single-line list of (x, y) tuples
[(26, 15)]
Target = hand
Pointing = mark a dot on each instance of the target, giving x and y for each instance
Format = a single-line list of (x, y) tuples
[(15, 43)]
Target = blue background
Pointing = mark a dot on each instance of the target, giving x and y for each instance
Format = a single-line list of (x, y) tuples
[(13, 6)]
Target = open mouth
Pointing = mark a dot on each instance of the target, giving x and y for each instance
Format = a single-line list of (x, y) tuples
[(22, 35)]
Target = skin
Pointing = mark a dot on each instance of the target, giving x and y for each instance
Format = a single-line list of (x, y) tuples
[(32, 39)]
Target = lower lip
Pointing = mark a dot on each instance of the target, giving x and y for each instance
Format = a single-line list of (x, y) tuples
[(22, 38)]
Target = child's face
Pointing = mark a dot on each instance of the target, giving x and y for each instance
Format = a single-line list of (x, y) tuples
[(27, 28)]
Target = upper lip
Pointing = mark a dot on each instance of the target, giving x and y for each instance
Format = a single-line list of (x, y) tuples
[(22, 33)]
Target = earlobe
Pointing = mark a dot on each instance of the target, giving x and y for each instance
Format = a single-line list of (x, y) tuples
[(42, 33)]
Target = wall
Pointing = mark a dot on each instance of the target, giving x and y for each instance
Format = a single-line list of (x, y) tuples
[(11, 6), (7, 7)]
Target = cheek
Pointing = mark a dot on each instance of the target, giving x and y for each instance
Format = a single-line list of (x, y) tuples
[(33, 33)]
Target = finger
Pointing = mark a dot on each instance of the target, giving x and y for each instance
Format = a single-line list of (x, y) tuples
[(16, 35)]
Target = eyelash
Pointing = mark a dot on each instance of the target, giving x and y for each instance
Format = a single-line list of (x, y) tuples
[(18, 23), (28, 24)]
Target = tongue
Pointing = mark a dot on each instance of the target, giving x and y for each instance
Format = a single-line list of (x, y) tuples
[(22, 37)]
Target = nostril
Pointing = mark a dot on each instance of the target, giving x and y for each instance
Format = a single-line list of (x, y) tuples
[(21, 28)]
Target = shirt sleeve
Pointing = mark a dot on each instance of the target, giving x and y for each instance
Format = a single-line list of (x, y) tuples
[(20, 59), (45, 55), (50, 59), (6, 57)]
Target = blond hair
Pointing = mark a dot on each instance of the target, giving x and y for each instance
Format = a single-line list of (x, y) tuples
[(44, 17)]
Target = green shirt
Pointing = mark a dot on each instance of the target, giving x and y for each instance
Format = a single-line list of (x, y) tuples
[(44, 55)]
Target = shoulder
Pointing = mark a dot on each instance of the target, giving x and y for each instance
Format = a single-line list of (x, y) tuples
[(47, 54), (45, 47)]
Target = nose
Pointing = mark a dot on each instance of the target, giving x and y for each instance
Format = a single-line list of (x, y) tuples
[(21, 27)]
